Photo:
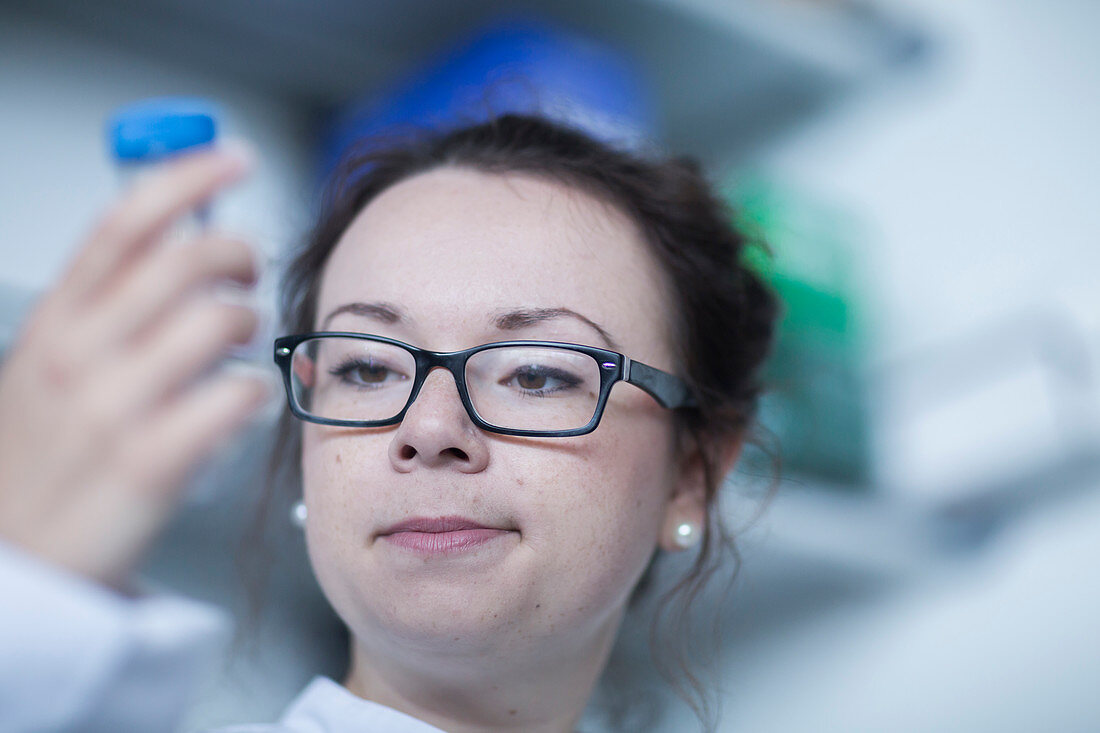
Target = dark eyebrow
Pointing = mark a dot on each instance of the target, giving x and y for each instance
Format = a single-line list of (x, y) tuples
[(517, 319), (385, 312), (508, 321)]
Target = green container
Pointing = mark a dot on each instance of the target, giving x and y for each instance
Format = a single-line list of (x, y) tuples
[(815, 402)]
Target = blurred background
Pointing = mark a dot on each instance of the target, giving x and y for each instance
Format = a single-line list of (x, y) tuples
[(925, 173)]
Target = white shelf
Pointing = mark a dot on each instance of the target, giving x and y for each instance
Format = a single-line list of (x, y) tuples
[(728, 76)]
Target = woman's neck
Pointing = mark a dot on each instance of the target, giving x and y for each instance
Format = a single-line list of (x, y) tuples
[(543, 693)]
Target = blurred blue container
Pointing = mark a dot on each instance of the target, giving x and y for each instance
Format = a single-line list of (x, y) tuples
[(153, 129), (145, 133), (514, 65)]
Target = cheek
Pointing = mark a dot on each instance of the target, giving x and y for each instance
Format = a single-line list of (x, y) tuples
[(326, 484), (599, 515), (335, 463), (339, 516)]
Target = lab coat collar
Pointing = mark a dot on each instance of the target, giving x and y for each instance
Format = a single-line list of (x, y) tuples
[(328, 707)]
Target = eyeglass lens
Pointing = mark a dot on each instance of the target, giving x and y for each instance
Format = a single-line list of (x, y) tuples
[(515, 387)]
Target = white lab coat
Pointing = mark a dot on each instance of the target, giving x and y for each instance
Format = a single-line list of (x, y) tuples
[(78, 657)]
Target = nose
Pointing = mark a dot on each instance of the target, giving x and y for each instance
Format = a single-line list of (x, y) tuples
[(437, 432)]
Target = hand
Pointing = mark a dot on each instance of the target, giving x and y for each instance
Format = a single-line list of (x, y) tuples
[(107, 399)]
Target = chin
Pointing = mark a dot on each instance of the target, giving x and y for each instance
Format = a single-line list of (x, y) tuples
[(451, 623), (425, 602)]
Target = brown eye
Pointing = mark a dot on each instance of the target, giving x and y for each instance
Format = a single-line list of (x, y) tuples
[(356, 373), (372, 373), (531, 380)]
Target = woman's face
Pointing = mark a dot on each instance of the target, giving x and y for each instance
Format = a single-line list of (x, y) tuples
[(440, 258)]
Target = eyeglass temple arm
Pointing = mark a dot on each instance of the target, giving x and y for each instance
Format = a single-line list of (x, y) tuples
[(668, 390)]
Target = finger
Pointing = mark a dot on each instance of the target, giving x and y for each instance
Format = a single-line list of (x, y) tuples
[(192, 341), (145, 212), (190, 427), (159, 281)]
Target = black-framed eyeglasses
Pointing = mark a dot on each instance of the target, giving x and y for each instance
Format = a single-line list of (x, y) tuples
[(526, 388)]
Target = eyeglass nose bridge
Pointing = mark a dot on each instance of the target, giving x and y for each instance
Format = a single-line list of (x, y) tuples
[(453, 362)]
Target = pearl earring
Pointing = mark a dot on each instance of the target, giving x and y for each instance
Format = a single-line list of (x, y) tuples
[(687, 534), (298, 514)]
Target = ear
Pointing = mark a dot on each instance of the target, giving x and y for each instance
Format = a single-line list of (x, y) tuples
[(688, 502)]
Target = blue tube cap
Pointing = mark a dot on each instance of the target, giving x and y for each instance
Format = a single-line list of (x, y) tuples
[(155, 128)]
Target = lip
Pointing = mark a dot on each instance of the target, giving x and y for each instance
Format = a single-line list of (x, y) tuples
[(441, 535)]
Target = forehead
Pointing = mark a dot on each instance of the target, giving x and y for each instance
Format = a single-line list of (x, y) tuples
[(451, 247)]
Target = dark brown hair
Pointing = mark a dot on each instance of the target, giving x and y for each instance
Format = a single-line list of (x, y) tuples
[(724, 315)]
